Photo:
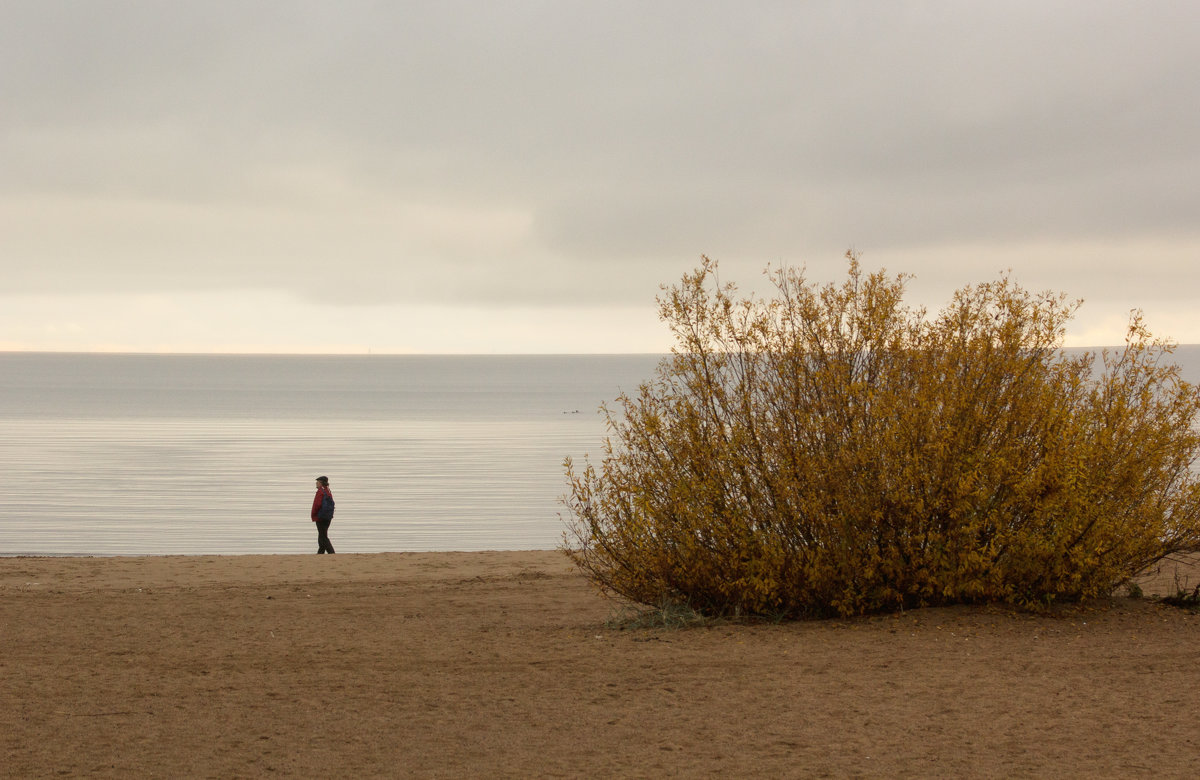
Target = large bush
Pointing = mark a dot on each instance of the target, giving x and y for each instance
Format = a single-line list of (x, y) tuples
[(830, 450)]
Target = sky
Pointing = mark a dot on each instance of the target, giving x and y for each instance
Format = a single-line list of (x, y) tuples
[(521, 176)]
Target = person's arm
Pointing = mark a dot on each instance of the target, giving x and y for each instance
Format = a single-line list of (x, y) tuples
[(316, 507)]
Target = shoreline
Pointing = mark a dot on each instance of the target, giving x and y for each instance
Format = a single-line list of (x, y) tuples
[(1162, 579)]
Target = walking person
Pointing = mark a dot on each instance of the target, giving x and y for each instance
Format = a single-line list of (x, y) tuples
[(322, 515)]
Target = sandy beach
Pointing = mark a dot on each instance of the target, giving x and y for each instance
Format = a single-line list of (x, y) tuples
[(503, 664)]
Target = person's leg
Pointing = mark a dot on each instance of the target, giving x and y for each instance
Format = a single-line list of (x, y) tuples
[(323, 542)]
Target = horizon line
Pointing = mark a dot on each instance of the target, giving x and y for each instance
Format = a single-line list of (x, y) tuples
[(370, 353)]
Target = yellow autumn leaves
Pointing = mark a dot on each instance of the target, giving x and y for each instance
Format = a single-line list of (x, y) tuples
[(830, 450)]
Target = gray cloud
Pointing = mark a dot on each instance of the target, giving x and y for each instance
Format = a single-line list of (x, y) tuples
[(532, 151)]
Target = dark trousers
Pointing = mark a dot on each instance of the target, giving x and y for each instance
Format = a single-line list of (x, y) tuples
[(323, 543)]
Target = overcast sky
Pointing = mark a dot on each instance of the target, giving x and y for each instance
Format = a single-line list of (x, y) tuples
[(318, 176)]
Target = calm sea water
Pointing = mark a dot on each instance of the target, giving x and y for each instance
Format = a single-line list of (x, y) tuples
[(184, 454), (181, 454)]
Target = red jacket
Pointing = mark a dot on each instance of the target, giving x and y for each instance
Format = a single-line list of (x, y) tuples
[(321, 493)]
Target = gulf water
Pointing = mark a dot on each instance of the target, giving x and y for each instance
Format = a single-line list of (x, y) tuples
[(185, 454), (190, 454)]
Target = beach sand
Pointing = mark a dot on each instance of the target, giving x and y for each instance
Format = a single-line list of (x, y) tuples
[(500, 664)]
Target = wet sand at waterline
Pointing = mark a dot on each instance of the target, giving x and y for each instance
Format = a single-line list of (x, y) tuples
[(500, 664)]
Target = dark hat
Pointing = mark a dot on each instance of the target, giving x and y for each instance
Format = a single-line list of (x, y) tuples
[(323, 480)]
